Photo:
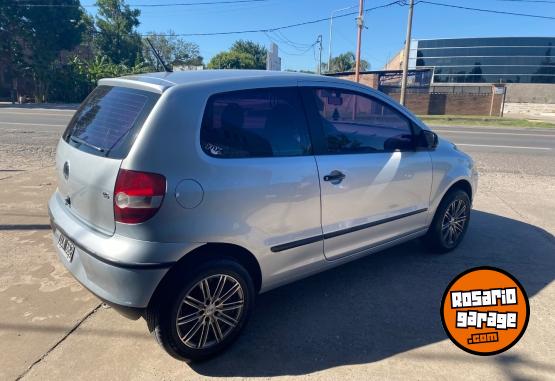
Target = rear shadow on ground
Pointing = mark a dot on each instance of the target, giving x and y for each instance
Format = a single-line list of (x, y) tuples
[(379, 306), (25, 227)]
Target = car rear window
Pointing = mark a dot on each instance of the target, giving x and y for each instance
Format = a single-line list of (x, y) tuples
[(109, 119)]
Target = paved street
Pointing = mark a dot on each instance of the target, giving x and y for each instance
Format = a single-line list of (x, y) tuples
[(375, 318), (28, 137), (512, 150), (506, 150)]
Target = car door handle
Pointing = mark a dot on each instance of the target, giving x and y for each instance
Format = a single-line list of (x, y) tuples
[(334, 177)]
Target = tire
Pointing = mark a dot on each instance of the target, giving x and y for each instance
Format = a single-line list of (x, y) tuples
[(201, 320), (439, 237)]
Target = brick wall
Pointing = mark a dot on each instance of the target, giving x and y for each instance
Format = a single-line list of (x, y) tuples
[(370, 80), (440, 104), (454, 104), (395, 63)]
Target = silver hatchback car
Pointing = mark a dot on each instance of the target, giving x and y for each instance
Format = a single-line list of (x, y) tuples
[(181, 196)]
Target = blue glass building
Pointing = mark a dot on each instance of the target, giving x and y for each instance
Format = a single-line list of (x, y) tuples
[(486, 60)]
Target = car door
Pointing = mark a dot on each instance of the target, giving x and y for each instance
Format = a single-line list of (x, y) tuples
[(259, 178), (375, 186)]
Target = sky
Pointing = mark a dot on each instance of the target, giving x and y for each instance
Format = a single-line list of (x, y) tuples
[(382, 38)]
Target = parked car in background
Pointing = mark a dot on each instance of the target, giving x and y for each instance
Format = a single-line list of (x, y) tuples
[(181, 196)]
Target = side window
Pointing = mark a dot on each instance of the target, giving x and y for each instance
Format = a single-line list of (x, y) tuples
[(356, 123), (255, 123)]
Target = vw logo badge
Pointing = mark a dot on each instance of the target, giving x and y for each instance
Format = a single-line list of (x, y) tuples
[(66, 170)]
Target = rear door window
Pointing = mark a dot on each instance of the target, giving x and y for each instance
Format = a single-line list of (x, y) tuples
[(109, 120), (265, 122)]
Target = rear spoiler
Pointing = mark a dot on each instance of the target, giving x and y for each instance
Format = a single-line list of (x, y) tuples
[(153, 84)]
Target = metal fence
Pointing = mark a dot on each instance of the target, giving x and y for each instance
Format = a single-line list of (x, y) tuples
[(461, 90), (457, 90), (410, 89)]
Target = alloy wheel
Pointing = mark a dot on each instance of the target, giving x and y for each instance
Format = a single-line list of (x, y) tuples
[(454, 221), (210, 311)]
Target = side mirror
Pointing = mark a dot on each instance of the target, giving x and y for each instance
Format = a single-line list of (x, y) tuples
[(427, 140)]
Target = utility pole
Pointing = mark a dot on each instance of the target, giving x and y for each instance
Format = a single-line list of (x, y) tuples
[(360, 23), (331, 32), (319, 42), (406, 55)]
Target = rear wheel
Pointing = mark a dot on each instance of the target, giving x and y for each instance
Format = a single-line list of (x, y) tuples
[(450, 222), (205, 311)]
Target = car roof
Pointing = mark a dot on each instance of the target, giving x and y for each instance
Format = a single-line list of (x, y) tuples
[(162, 80)]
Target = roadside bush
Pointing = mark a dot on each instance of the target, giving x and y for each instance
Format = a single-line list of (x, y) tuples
[(72, 82)]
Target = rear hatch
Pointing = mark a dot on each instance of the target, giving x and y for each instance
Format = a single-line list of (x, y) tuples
[(90, 153)]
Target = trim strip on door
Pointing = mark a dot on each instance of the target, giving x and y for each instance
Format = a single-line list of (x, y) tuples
[(309, 240)]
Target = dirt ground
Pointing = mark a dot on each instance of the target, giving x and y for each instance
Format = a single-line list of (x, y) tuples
[(375, 318)]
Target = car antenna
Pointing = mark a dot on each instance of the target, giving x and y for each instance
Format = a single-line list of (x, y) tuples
[(166, 67)]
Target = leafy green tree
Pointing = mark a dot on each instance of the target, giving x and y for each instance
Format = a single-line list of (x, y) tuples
[(11, 53), (46, 39), (243, 54), (34, 37), (346, 62), (117, 35), (89, 31), (256, 51), (101, 67), (173, 50), (69, 82), (232, 60)]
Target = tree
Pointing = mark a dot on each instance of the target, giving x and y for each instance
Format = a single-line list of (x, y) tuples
[(256, 51), (346, 62), (232, 60), (173, 50), (11, 53), (34, 37), (243, 54), (117, 35)]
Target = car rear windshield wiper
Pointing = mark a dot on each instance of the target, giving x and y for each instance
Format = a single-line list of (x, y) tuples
[(81, 141)]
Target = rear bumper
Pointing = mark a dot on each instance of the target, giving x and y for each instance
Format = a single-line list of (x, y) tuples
[(121, 271)]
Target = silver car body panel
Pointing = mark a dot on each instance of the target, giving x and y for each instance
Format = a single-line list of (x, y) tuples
[(450, 166), (391, 187), (84, 184), (260, 204), (118, 269)]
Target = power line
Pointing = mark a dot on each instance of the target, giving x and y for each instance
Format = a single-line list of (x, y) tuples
[(284, 38), (398, 2), (285, 41), (300, 52), (217, 2), (486, 10)]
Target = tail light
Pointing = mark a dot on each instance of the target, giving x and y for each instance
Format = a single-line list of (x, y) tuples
[(137, 195)]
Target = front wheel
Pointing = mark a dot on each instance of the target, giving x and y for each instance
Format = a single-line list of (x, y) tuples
[(205, 312), (450, 222)]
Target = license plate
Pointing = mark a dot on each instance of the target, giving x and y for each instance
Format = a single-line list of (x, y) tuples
[(67, 246)]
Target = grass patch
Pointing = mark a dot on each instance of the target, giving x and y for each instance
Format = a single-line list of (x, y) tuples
[(489, 121)]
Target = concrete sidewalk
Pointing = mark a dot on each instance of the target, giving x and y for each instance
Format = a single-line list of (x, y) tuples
[(375, 318), (41, 302)]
